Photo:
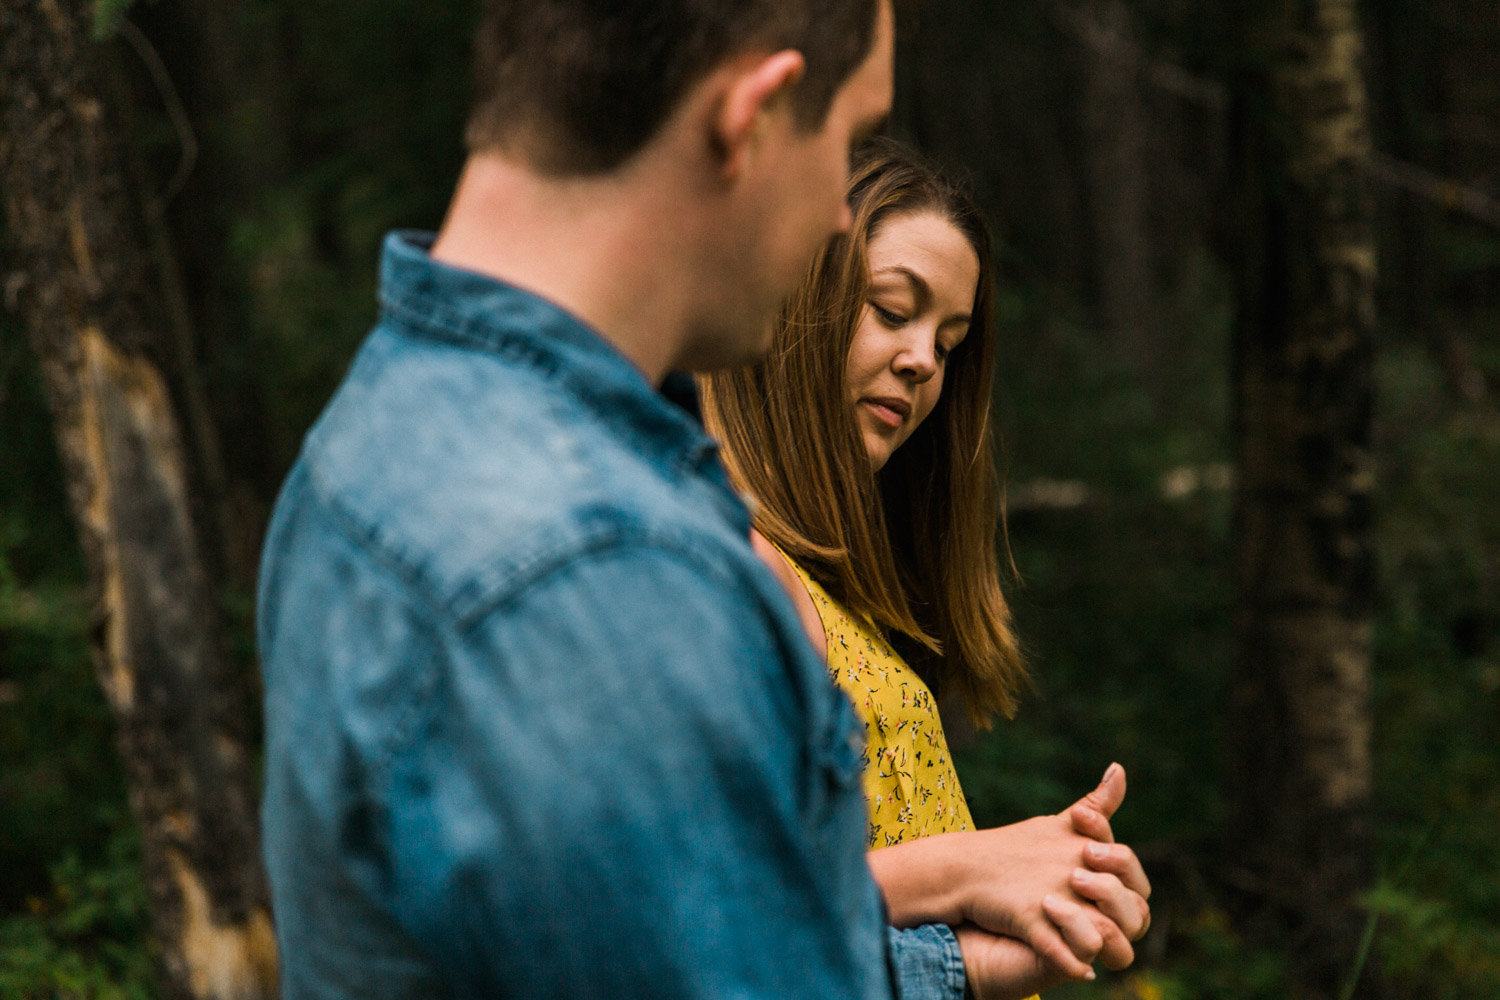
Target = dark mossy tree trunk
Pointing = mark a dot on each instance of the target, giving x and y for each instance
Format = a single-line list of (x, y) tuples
[(1307, 267), (89, 294)]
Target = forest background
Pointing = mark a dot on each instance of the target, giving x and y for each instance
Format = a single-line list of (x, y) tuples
[(267, 146)]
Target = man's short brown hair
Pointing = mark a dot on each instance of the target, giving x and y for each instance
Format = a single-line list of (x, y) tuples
[(579, 86)]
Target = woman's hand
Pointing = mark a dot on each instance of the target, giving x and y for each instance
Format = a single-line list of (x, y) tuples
[(1113, 879), (999, 880), (1002, 968)]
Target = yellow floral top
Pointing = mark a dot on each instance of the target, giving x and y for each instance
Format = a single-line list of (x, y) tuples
[(911, 789)]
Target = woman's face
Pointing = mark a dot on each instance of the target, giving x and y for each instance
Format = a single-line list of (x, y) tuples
[(923, 276)]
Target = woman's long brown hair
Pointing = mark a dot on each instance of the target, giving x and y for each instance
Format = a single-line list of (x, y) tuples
[(914, 546)]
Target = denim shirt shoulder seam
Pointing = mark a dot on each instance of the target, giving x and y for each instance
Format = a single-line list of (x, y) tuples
[(594, 541), (463, 604), (589, 544), (409, 715), (589, 540)]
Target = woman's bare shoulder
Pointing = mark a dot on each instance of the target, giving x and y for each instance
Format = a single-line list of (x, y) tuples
[(807, 611)]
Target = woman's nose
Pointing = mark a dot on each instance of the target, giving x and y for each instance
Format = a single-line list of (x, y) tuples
[(917, 360)]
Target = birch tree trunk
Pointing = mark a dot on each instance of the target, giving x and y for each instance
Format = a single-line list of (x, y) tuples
[(1301, 698), (78, 270)]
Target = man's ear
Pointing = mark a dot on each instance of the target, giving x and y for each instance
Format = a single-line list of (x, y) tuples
[(760, 90)]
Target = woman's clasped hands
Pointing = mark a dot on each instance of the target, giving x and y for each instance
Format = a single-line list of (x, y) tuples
[(1033, 904)]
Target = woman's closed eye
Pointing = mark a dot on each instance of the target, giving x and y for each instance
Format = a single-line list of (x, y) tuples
[(889, 317)]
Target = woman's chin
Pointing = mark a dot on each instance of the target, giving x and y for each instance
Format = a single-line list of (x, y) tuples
[(878, 448)]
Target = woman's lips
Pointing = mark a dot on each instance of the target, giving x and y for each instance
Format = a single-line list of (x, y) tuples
[(891, 412)]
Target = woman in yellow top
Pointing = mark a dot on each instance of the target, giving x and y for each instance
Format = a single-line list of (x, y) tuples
[(911, 788), (864, 440)]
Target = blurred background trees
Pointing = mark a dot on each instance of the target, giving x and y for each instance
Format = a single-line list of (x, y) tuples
[(97, 295), (1178, 249)]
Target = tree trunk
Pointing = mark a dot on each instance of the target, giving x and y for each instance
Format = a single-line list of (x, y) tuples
[(1301, 753), (1115, 125), (80, 273)]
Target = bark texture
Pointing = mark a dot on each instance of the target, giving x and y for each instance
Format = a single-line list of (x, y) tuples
[(1304, 348), (79, 272)]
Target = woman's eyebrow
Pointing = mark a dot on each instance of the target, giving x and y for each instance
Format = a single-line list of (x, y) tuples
[(919, 288), (918, 284)]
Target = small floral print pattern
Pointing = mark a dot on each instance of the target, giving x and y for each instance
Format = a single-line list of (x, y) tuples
[(910, 786)]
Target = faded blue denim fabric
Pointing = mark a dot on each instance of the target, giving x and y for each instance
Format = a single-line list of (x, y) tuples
[(927, 963), (538, 722)]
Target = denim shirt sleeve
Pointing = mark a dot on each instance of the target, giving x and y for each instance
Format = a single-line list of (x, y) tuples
[(605, 794), (927, 963)]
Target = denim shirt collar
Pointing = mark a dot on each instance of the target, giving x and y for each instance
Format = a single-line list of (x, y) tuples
[(432, 300)]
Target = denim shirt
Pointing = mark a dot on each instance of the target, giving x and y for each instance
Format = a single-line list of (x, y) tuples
[(538, 721)]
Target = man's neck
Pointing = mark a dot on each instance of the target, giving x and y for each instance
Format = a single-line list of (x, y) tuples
[(602, 248)]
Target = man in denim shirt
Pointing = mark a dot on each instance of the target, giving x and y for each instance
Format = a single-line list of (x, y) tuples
[(538, 721)]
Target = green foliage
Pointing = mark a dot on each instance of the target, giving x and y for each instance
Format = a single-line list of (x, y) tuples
[(1130, 647), (107, 14), (1438, 686), (380, 125), (72, 905), (1213, 961), (1124, 606), (1433, 950), (1122, 603), (60, 783), (36, 537), (85, 938)]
